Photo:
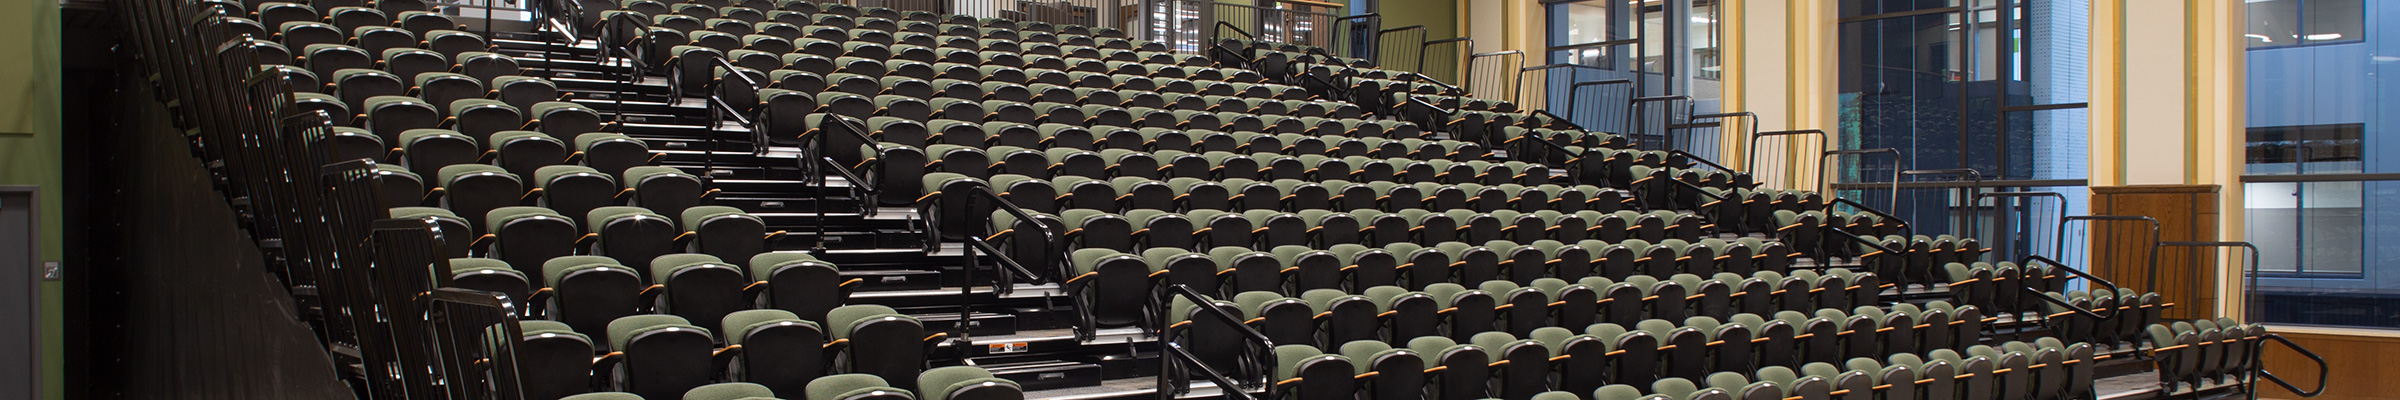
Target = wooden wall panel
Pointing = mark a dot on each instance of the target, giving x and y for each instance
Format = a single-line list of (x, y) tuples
[(2120, 251), (2360, 364)]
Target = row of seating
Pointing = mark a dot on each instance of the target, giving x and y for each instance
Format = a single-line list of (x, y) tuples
[(2003, 287), (517, 152), (2203, 354), (1416, 262), (926, 74), (1607, 362), (475, 190), (590, 290), (1203, 228), (1170, 143), (982, 162), (665, 356), (2123, 329), (805, 12), (524, 235), (960, 383), (1333, 315)]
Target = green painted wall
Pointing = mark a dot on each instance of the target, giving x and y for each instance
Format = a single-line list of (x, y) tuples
[(1440, 17), (30, 152)]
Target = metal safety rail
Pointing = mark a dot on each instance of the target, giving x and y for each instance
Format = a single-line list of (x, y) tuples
[(1255, 360), (2015, 241), (476, 339), (1397, 47), (1827, 186), (1493, 75), (1442, 59), (1654, 119), (1538, 85), (1604, 105), (1770, 156), (1356, 36), (1704, 134), (1958, 222), (2193, 289), (2152, 246)]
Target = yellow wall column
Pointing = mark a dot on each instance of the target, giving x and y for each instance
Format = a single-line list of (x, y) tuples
[(2167, 106)]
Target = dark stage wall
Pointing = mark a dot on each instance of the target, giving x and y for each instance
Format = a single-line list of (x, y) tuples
[(177, 304)]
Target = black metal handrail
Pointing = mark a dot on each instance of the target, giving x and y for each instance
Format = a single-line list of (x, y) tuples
[(817, 162), (2059, 266), (719, 110), (1004, 281), (1438, 113), (632, 52), (1171, 353), (2258, 367), (1906, 229), (860, 186), (1049, 237), (562, 20), (1055, 243), (851, 128)]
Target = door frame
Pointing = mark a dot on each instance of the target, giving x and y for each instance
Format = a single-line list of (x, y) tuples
[(33, 280)]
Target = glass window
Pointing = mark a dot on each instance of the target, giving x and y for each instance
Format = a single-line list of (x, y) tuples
[(1996, 86), (2322, 207), (2277, 23)]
